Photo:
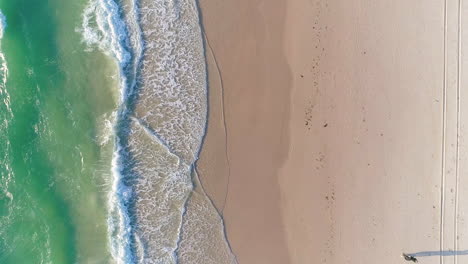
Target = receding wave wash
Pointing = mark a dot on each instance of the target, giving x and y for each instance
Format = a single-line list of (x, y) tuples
[(103, 113)]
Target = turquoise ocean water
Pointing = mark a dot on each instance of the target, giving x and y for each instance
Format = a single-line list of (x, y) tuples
[(103, 110), (55, 164)]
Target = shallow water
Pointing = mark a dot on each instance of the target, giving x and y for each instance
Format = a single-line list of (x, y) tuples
[(55, 167), (102, 117)]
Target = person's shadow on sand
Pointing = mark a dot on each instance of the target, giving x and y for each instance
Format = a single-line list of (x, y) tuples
[(413, 256)]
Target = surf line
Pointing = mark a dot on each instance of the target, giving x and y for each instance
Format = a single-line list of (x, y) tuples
[(104, 28)]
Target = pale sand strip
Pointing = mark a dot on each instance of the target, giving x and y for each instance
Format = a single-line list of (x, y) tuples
[(380, 162), (368, 156)]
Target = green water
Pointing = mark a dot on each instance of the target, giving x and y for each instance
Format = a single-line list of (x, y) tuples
[(55, 168)]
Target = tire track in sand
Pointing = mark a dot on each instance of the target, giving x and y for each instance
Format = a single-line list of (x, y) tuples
[(444, 131), (444, 125), (457, 168)]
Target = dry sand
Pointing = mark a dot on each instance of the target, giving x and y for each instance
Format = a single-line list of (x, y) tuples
[(344, 138)]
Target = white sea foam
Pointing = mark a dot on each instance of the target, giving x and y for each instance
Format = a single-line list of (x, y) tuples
[(103, 28), (202, 237), (173, 91), (168, 124), (105, 126), (3, 64), (3, 24), (7, 114), (161, 187)]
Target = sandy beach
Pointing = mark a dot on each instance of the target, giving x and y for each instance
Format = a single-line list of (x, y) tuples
[(336, 129), (245, 68)]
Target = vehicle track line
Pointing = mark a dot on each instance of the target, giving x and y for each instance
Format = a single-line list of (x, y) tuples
[(444, 124), (457, 168)]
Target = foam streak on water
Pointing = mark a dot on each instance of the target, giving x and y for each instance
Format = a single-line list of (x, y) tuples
[(6, 115)]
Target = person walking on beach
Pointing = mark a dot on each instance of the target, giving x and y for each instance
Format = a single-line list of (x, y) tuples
[(410, 258)]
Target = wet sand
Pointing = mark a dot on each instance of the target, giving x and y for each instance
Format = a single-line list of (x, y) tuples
[(344, 129), (248, 47)]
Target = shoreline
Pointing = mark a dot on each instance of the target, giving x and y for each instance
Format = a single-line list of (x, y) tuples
[(230, 175), (215, 131)]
